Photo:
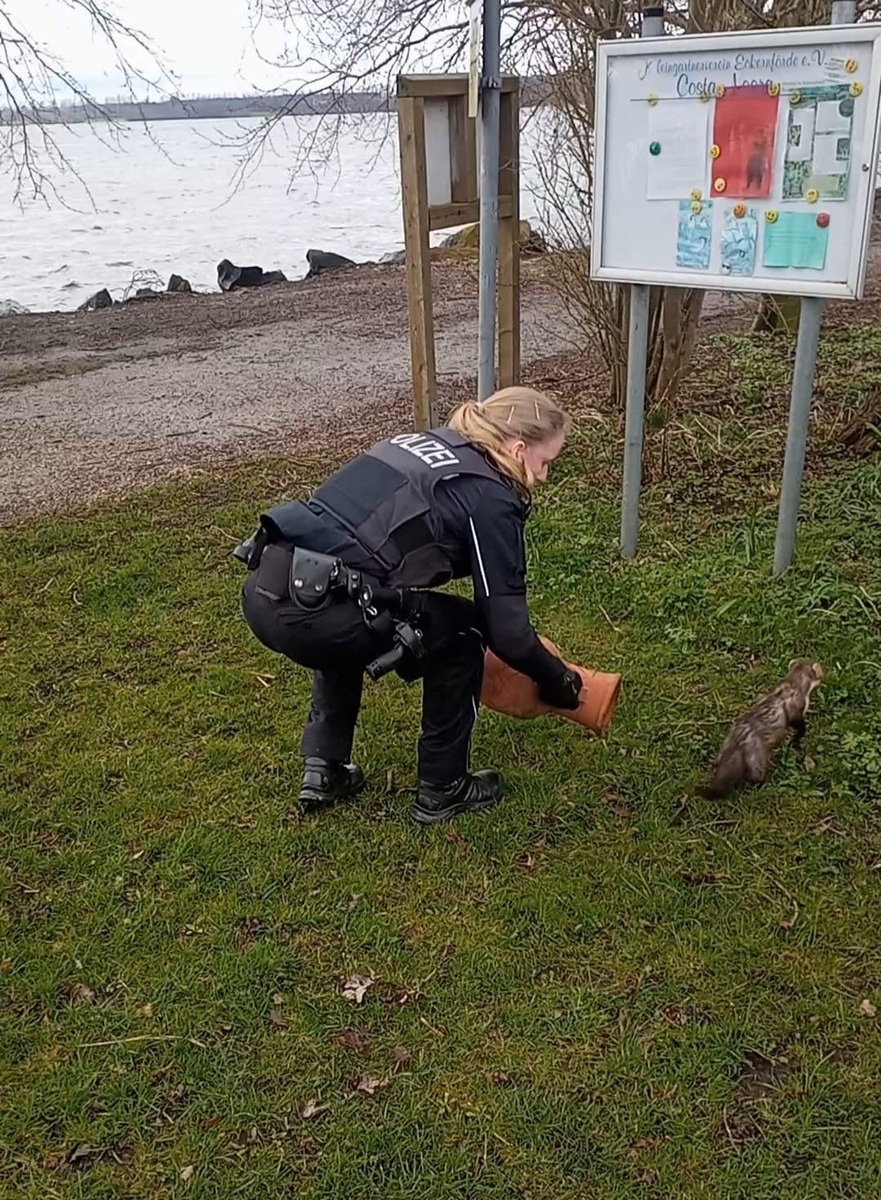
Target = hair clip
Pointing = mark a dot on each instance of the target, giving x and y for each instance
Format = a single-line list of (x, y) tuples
[(510, 414)]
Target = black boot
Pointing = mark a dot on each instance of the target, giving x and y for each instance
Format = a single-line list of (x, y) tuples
[(474, 793), (324, 783)]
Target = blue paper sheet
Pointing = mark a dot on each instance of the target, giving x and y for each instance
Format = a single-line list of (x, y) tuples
[(795, 240), (738, 243), (694, 236)]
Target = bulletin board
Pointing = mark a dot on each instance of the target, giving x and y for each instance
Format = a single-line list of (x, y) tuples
[(738, 161)]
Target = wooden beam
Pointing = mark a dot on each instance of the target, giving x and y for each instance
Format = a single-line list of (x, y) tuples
[(411, 136), (444, 216), (509, 241), (425, 86)]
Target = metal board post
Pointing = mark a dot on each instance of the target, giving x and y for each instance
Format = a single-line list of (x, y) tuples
[(810, 319), (637, 351)]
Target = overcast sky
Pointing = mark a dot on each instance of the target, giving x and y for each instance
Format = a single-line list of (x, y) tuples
[(207, 43)]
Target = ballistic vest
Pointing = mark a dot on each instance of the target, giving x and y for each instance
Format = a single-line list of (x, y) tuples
[(385, 499)]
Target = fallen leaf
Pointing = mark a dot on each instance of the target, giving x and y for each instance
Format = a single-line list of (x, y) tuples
[(760, 1077), (278, 998), (354, 1039), (212, 1122), (868, 1009), (369, 1084), (247, 931), (810, 765), (187, 1174), (355, 987), (80, 1151), (81, 993), (146, 1011), (312, 1109), (402, 1056), (503, 1079), (526, 861), (278, 1019), (5, 964), (396, 993)]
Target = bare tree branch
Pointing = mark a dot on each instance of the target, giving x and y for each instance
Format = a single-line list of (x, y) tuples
[(39, 93)]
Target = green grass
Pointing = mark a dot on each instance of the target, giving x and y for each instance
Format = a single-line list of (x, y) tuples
[(582, 977)]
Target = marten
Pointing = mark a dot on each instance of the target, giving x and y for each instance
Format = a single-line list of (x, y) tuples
[(746, 752)]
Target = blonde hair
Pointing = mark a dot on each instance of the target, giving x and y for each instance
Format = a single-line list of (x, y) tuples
[(511, 414)]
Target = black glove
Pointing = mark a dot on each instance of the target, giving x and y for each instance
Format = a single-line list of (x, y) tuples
[(563, 692)]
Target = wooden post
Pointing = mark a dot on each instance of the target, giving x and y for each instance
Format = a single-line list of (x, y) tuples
[(509, 242), (455, 204), (411, 126)]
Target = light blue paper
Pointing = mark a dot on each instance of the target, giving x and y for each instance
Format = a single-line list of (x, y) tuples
[(738, 243), (795, 240), (694, 236)]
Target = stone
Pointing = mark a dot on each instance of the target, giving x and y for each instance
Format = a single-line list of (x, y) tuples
[(177, 283), (231, 277), (323, 260), (12, 308), (531, 240), (274, 277), (395, 258), (101, 299)]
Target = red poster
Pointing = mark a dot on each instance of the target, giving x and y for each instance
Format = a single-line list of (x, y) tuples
[(744, 132)]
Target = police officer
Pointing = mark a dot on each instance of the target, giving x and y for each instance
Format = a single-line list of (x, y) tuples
[(344, 579)]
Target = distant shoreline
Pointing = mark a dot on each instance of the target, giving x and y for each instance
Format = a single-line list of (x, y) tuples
[(200, 108)]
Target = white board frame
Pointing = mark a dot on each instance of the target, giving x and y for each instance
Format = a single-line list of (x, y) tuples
[(715, 43)]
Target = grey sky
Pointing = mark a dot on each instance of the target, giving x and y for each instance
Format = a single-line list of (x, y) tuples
[(207, 43)]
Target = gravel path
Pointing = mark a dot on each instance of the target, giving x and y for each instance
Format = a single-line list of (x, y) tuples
[(97, 404)]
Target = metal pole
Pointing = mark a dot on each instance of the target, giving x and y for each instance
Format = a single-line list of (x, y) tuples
[(489, 196), (637, 352), (810, 318)]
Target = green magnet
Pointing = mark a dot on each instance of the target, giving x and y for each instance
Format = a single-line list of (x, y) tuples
[(655, 148)]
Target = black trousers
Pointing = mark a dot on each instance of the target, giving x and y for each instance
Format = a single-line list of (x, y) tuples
[(336, 644)]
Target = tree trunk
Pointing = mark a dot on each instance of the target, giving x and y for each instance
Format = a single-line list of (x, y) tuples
[(777, 314), (863, 435)]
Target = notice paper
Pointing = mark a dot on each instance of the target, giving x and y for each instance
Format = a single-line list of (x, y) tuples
[(795, 240), (678, 130), (694, 236), (745, 131), (738, 243)]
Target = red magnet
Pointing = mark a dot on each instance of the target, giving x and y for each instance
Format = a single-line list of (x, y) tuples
[(822, 220)]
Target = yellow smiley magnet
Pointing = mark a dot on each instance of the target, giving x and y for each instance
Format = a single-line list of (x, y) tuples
[(696, 206), (740, 210), (715, 151), (720, 185), (773, 89), (771, 215), (812, 195), (794, 98), (856, 89), (653, 98), (851, 65), (720, 90), (696, 194)]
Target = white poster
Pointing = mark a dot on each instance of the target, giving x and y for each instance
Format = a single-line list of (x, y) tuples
[(677, 151)]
